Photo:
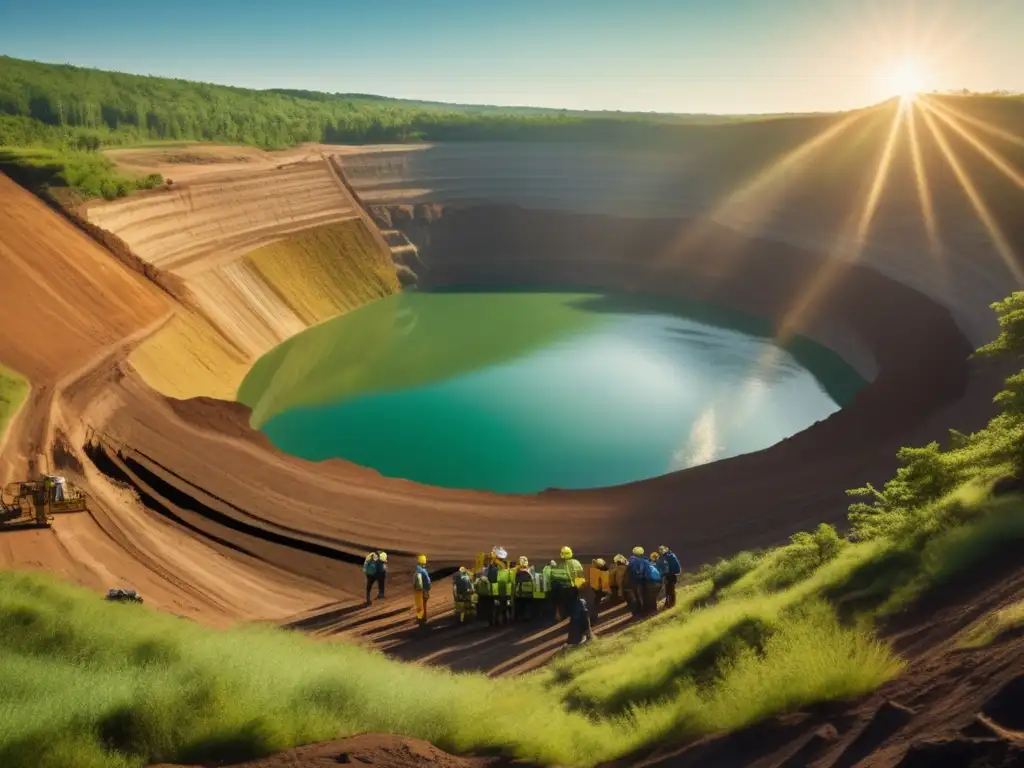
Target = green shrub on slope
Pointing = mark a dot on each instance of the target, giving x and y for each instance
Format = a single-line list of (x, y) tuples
[(13, 390), (89, 174)]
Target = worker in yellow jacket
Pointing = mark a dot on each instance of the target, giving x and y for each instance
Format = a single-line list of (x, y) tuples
[(599, 583), (421, 589)]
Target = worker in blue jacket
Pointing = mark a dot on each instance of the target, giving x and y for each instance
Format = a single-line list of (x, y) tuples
[(652, 586), (668, 564), (636, 580)]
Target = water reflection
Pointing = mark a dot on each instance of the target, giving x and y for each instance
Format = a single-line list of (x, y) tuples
[(516, 392)]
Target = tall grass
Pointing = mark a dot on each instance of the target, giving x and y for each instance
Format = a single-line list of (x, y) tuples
[(87, 683), (13, 391)]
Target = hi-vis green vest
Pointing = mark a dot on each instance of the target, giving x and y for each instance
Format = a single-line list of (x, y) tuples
[(567, 572), (503, 586)]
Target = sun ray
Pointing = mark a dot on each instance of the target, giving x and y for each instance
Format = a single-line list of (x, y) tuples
[(753, 195), (832, 269), (975, 121), (1002, 245), (924, 194), (993, 157)]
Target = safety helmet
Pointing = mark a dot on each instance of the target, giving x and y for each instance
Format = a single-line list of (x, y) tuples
[(421, 559), (553, 564), (619, 559), (654, 556), (372, 556), (600, 563), (383, 557), (663, 549), (579, 583), (500, 553), (566, 553), (638, 551), (523, 561), (462, 569)]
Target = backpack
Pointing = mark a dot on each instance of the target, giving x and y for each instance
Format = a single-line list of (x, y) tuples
[(370, 564), (638, 571), (653, 574)]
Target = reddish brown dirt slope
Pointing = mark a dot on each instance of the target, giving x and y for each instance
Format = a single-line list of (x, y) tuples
[(62, 296)]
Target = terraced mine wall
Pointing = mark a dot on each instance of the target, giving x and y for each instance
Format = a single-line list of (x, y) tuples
[(261, 255), (747, 178), (907, 345)]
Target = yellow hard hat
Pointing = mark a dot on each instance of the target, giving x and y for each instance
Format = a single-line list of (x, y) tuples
[(566, 553), (421, 559), (383, 557), (580, 582), (663, 549), (523, 561), (638, 551), (600, 563), (619, 559)]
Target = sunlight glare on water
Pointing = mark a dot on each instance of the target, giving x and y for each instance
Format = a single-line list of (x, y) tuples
[(516, 392)]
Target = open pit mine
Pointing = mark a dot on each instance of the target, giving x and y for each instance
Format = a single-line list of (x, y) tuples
[(136, 322)]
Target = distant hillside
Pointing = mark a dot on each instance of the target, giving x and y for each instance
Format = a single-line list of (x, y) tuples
[(89, 108)]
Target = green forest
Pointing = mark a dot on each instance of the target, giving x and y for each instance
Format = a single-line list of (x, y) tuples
[(54, 119), (41, 103)]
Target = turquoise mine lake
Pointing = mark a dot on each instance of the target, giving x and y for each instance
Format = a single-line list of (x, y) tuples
[(518, 391)]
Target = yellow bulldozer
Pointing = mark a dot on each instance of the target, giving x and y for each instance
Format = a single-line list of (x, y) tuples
[(35, 502)]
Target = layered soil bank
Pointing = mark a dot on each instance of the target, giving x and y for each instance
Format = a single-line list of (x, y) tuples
[(259, 250)]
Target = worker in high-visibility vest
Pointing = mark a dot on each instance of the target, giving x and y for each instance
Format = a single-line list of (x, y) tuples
[(522, 598), (563, 577), (484, 601), (501, 581), (421, 589)]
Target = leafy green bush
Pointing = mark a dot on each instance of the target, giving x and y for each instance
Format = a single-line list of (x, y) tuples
[(729, 570), (90, 174)]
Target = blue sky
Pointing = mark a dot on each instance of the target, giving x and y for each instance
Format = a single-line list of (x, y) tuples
[(726, 56)]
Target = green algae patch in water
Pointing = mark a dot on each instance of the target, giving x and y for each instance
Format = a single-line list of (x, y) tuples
[(516, 392)]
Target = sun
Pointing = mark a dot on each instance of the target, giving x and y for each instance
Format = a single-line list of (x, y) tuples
[(905, 80)]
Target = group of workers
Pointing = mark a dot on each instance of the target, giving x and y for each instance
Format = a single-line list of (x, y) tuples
[(500, 591)]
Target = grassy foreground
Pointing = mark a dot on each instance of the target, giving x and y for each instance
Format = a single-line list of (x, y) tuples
[(84, 683), (13, 390)]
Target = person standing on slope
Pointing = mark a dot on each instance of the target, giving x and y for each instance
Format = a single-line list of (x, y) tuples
[(579, 616), (375, 566), (421, 589), (652, 587), (636, 579), (617, 578), (564, 577), (670, 569), (370, 570)]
